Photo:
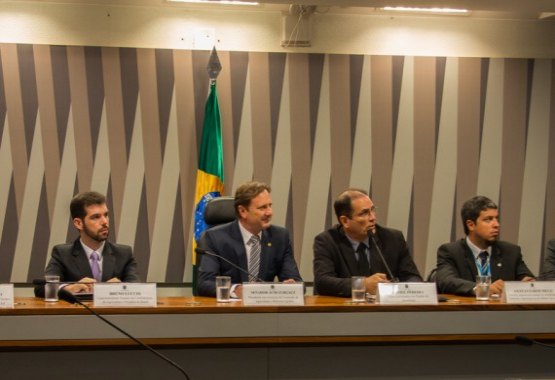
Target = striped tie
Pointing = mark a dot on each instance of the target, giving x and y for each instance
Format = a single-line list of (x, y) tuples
[(254, 259)]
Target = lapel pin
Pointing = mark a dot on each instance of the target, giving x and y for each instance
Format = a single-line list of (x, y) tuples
[(269, 244), (499, 264)]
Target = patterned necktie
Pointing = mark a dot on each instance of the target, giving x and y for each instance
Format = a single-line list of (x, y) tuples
[(363, 265), (254, 259), (95, 266), (484, 266)]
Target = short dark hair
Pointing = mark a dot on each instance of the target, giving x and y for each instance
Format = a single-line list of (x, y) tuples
[(247, 192), (83, 200), (472, 208), (343, 203)]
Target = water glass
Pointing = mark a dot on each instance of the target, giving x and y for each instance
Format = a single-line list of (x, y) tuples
[(358, 289), (51, 288), (223, 288), (482, 288)]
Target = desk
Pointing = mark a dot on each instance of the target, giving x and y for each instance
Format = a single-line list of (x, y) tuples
[(327, 338)]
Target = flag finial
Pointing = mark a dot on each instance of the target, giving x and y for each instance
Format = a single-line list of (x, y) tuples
[(214, 67)]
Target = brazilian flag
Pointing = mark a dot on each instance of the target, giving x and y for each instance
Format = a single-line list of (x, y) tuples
[(210, 173)]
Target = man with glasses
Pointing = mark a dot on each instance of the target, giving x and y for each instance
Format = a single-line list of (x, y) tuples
[(350, 248)]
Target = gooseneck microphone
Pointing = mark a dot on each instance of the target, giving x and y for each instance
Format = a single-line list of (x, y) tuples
[(525, 341), (201, 251), (389, 272), (69, 297)]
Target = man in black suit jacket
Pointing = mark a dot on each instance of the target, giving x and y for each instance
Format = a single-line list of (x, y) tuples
[(548, 269), (337, 256), (73, 263), (460, 262), (253, 207)]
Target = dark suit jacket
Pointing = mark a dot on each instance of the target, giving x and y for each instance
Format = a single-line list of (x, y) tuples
[(335, 261), (548, 269), (276, 258), (456, 266), (69, 261)]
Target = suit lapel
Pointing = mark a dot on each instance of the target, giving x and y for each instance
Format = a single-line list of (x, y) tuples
[(81, 259), (346, 249), (266, 253), (108, 262), (496, 263), (239, 249), (469, 259)]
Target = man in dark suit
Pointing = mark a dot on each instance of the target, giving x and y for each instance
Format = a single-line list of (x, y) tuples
[(250, 242), (480, 253), (348, 249), (91, 258), (548, 269)]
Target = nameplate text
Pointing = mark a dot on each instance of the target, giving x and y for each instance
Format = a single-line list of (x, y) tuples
[(271, 294), (394, 293), (121, 294), (6, 296), (529, 292)]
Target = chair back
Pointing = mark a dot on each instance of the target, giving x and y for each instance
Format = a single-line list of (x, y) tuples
[(219, 210), (432, 276)]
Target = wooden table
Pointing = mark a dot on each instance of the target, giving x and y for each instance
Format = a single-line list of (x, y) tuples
[(328, 329), (198, 320)]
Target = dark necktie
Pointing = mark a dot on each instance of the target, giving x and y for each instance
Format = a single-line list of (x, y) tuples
[(363, 265), (483, 258)]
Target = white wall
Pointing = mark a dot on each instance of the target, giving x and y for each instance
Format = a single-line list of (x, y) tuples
[(174, 28)]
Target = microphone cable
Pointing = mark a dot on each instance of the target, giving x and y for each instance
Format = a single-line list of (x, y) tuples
[(525, 341), (69, 297)]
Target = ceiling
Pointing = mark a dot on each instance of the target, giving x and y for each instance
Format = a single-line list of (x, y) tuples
[(494, 9)]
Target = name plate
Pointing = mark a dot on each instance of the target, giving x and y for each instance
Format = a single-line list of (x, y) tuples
[(6, 296), (395, 293), (529, 292), (273, 294), (121, 294)]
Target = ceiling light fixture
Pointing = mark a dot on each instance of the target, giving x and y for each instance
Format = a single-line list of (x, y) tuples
[(427, 10), (218, 2)]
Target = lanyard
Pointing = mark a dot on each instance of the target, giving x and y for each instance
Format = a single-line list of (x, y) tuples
[(484, 270)]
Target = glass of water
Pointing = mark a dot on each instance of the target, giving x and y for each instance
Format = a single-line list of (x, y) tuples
[(51, 288), (482, 288), (223, 288), (358, 289)]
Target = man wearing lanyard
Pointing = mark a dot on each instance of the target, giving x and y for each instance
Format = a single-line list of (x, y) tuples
[(480, 253)]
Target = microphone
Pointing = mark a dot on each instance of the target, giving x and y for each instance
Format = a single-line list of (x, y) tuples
[(525, 341), (69, 297), (201, 251), (389, 272)]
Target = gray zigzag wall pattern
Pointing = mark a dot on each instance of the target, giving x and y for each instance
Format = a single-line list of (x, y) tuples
[(422, 134)]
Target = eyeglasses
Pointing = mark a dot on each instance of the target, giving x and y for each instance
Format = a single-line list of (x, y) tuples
[(366, 212)]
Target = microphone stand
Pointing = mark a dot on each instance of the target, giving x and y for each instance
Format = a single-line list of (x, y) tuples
[(69, 297), (201, 251), (389, 272)]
